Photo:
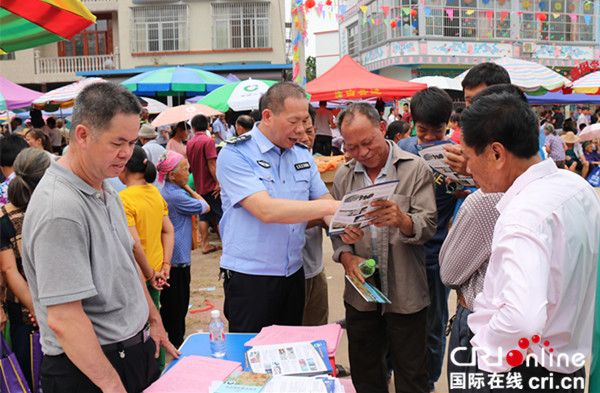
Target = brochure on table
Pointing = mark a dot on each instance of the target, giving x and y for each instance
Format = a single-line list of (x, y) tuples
[(433, 153), (357, 203), (291, 384), (303, 358), (368, 291), (244, 382)]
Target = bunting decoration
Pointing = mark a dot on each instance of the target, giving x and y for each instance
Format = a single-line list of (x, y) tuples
[(545, 13)]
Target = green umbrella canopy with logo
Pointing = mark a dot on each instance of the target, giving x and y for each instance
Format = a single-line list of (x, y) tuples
[(239, 96)]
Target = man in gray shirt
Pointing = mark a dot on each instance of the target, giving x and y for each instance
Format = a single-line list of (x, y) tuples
[(89, 299), (316, 304)]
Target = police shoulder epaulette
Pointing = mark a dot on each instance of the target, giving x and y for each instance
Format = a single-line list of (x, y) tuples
[(300, 144), (241, 138)]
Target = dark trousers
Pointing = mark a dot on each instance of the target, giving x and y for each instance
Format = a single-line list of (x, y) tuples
[(216, 210), (137, 371), (370, 337), (322, 145), (466, 378), (438, 319), (174, 302), (253, 302)]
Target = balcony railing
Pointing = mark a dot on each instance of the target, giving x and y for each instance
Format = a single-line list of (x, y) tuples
[(73, 64)]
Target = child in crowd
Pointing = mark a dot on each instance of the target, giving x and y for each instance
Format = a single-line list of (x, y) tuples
[(149, 224), (454, 127)]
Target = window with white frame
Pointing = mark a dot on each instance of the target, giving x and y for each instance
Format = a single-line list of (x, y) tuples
[(558, 20), (160, 28), (468, 18), (352, 34), (405, 14), (374, 30), (241, 25)]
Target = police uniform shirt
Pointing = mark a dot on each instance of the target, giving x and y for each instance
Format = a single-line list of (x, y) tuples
[(250, 164)]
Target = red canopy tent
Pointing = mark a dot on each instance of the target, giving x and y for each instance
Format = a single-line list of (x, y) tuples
[(348, 80)]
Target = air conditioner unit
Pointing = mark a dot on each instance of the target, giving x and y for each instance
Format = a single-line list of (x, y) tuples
[(527, 47)]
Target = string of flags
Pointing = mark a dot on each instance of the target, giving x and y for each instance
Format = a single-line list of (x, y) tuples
[(327, 8)]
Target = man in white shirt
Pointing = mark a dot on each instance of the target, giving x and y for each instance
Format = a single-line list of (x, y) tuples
[(539, 289), (584, 118)]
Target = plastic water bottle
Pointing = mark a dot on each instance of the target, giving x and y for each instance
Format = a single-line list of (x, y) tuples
[(216, 328), (367, 268)]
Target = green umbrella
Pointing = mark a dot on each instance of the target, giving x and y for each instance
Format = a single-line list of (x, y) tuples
[(239, 96)]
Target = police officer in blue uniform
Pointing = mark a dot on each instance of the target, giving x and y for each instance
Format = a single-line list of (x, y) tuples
[(270, 188)]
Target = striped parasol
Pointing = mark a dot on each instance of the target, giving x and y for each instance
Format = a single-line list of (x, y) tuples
[(6, 116), (63, 97), (533, 78), (153, 106), (29, 23), (173, 81), (588, 84)]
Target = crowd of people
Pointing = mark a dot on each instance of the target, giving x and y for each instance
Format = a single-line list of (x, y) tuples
[(559, 139), (98, 258)]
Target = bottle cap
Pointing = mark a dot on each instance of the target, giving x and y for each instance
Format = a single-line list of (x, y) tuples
[(370, 262), (215, 314)]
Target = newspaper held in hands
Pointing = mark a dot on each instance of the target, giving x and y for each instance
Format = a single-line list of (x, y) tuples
[(357, 203), (433, 153)]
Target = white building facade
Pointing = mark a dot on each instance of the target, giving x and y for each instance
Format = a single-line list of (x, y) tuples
[(445, 37)]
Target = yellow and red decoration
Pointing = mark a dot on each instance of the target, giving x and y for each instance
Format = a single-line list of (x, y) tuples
[(31, 23)]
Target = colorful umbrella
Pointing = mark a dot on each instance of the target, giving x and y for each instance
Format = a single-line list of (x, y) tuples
[(6, 116), (63, 97), (173, 81), (533, 78), (239, 96), (589, 84), (441, 82), (153, 106), (16, 96), (590, 132), (31, 23), (182, 113)]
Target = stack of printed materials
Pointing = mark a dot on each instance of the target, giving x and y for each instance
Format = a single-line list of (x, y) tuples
[(277, 334), (281, 359)]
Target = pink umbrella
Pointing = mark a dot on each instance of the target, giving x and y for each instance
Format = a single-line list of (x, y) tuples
[(590, 132), (183, 113)]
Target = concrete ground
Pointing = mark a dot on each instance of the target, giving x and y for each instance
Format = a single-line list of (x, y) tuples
[(207, 290)]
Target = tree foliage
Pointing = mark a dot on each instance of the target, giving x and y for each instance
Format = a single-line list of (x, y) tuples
[(311, 68)]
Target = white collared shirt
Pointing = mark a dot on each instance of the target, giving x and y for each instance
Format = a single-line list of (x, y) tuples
[(541, 278)]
